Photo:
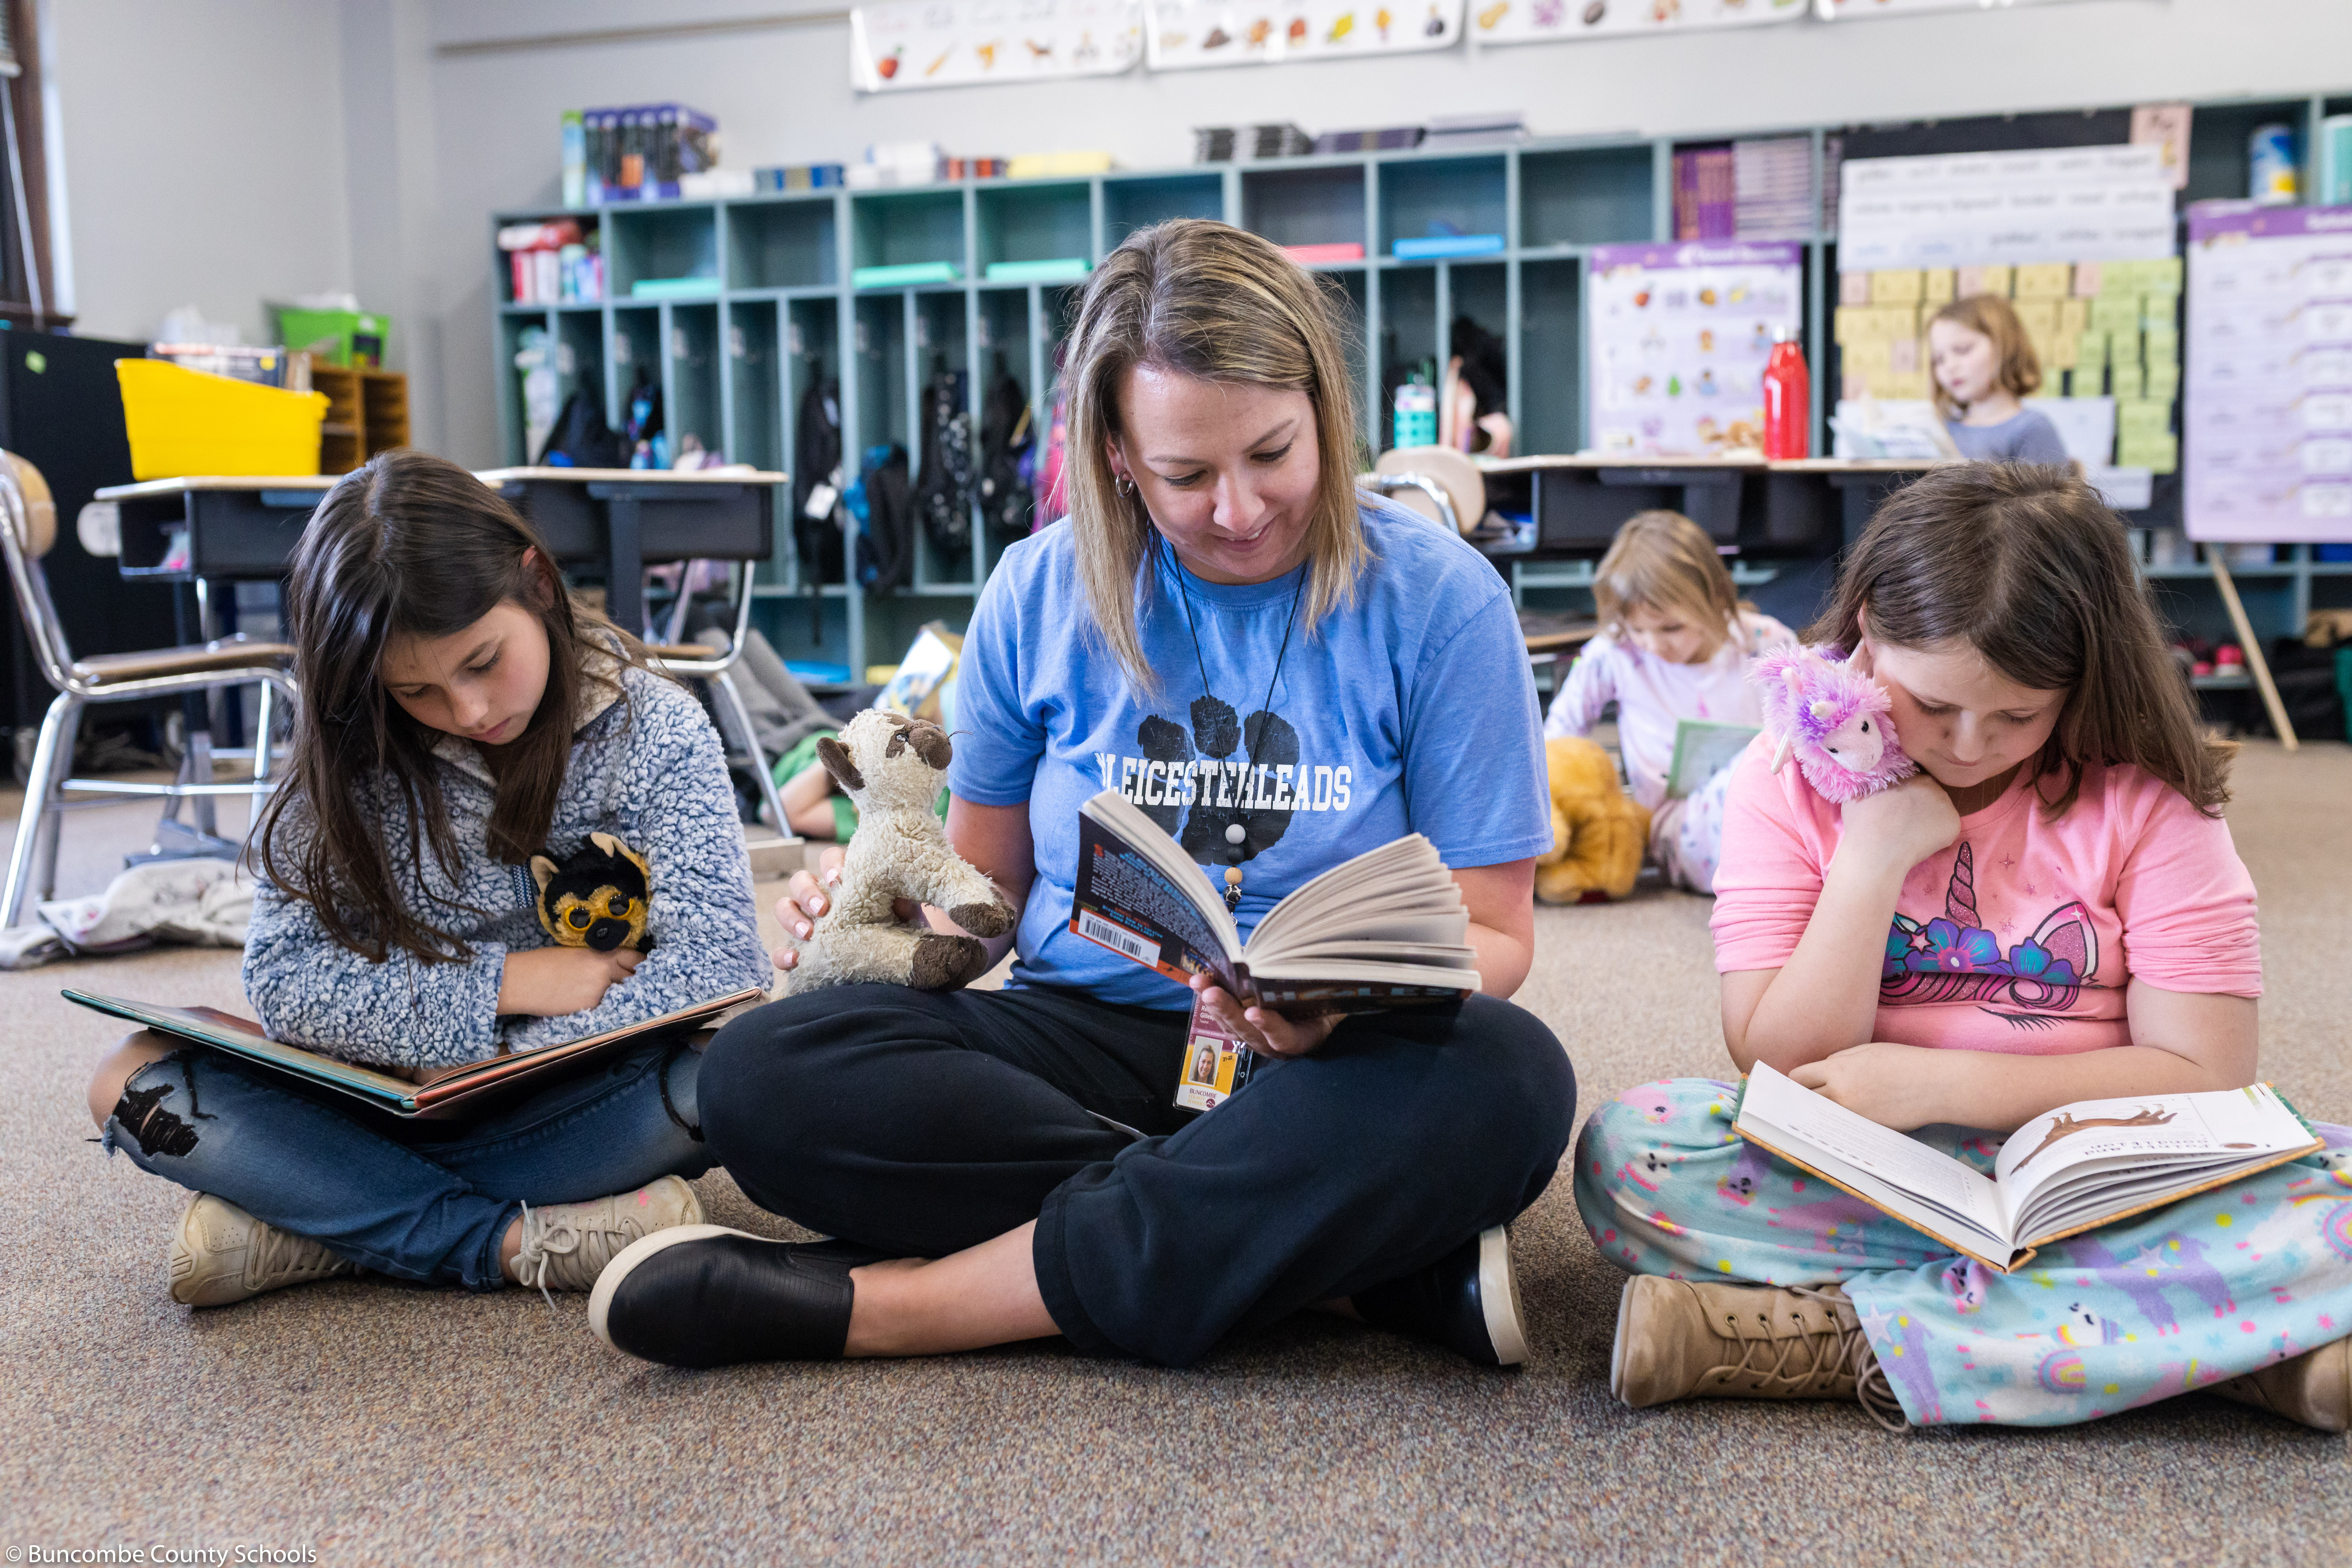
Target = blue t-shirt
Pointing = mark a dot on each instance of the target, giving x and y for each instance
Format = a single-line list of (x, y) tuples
[(2025, 437), (1410, 709)]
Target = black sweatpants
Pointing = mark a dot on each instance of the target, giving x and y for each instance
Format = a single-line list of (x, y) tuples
[(923, 1123)]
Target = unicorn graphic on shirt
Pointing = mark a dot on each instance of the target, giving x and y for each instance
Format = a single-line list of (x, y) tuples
[(1953, 958)]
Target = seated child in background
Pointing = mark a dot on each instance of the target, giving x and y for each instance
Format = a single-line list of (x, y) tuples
[(2052, 910), (1983, 364), (1674, 643)]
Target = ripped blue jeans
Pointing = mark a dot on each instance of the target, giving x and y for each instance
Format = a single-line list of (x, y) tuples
[(422, 1201)]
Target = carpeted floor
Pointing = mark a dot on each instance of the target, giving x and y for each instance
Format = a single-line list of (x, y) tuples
[(372, 1423)]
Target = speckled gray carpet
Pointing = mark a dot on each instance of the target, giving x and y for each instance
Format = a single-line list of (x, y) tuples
[(373, 1424)]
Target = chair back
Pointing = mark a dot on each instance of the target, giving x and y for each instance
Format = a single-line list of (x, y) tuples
[(1438, 482), (25, 506)]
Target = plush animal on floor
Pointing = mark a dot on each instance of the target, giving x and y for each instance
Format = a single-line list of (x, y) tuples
[(1833, 719), (599, 898), (1598, 831), (892, 768)]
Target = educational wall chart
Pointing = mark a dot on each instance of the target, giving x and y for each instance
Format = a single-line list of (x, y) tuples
[(2268, 413), (1977, 209), (954, 42), (1198, 34), (1548, 21), (1833, 10), (1677, 337)]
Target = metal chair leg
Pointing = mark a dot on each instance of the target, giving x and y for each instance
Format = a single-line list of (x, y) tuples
[(58, 728), (730, 701)]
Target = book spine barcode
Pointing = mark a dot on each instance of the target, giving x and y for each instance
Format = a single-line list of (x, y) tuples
[(1117, 937)]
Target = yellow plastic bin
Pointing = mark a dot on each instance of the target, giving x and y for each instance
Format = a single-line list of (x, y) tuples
[(186, 422)]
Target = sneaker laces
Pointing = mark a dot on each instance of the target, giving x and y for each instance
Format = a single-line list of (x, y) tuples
[(1813, 1360), (558, 1240), (272, 1252)]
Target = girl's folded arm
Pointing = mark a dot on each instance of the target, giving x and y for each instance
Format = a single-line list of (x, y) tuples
[(309, 989), (705, 924)]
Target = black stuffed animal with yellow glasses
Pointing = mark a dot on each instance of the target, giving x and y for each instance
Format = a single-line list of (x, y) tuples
[(600, 898)]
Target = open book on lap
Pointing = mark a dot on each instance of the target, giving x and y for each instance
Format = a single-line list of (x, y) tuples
[(457, 1093), (1386, 927), (2067, 1171)]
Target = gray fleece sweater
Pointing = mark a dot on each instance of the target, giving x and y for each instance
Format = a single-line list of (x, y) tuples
[(648, 770)]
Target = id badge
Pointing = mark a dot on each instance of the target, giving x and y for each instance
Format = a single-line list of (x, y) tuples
[(1216, 1063)]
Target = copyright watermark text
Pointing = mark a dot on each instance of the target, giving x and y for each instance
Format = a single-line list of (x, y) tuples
[(172, 1556)]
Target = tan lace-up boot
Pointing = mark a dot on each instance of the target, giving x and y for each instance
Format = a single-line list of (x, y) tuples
[(2315, 1388), (1678, 1340)]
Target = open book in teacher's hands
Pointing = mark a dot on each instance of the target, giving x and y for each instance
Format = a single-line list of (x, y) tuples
[(452, 1094), (1385, 928), (2065, 1172)]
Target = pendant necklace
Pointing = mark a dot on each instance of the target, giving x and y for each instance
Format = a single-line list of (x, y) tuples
[(1237, 831)]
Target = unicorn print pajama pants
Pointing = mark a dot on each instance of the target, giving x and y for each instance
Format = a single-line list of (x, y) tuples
[(2213, 1286)]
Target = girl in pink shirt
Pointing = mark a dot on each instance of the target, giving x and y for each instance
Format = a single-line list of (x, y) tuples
[(2051, 911), (1674, 643)]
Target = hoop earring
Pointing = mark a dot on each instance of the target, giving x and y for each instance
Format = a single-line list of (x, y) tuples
[(1124, 485)]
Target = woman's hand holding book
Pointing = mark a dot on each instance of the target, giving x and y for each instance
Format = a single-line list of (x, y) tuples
[(1263, 1030)]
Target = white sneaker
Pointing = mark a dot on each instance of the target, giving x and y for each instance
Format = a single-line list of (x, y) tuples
[(223, 1254), (566, 1245)]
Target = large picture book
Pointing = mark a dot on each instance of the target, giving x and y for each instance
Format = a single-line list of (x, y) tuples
[(1703, 748), (2065, 1172), (452, 1094), (1386, 927)]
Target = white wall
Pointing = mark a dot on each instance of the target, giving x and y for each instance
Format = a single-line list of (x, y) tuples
[(204, 157), (485, 126)]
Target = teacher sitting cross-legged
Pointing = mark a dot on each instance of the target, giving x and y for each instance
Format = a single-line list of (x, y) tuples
[(1223, 604)]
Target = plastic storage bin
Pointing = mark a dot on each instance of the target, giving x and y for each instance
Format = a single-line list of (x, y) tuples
[(184, 422), (356, 339)]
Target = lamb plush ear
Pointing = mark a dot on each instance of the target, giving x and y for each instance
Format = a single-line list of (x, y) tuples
[(932, 746), (542, 871), (835, 758)]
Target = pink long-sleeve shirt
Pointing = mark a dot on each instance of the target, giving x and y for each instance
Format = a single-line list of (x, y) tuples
[(2020, 936)]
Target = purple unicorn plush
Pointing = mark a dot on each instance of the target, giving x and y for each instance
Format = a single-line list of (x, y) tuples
[(1832, 718)]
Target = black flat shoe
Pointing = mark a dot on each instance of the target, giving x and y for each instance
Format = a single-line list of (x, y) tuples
[(703, 1295), (1468, 1301)]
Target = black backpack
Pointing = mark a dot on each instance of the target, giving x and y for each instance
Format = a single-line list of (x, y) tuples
[(580, 437), (1006, 434), (816, 460), (943, 498), (885, 541)]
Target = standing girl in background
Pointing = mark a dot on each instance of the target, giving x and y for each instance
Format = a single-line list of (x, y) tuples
[(1983, 365), (1674, 643), (459, 715), (2051, 911)]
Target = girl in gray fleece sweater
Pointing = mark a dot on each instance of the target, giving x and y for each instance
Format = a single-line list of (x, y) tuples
[(459, 715)]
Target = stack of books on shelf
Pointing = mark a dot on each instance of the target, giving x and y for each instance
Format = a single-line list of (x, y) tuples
[(1706, 205), (1387, 139), (797, 177), (553, 263), (1486, 128), (1772, 188), (1241, 143), (639, 153)]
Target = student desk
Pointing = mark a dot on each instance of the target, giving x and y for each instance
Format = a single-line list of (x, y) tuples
[(205, 529), (616, 518), (1810, 505)]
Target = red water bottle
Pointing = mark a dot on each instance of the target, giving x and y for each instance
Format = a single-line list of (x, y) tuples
[(1788, 401)]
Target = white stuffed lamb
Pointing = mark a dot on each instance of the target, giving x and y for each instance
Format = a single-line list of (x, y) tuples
[(892, 766)]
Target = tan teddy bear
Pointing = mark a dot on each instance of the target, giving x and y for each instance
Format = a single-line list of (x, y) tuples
[(892, 767), (1599, 832)]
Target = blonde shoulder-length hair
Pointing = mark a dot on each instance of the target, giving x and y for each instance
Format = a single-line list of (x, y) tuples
[(1219, 303)]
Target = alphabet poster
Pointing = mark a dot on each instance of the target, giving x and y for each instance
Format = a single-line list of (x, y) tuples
[(1195, 34), (1679, 338), (955, 43), (2266, 421), (1548, 21)]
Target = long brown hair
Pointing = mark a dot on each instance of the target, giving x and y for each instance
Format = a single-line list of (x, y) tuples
[(2029, 566), (1222, 304), (2018, 369), (410, 545)]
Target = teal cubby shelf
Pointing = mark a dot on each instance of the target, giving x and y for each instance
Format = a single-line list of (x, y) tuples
[(783, 308)]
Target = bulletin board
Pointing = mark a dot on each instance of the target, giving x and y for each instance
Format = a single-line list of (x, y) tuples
[(2268, 386), (1677, 338)]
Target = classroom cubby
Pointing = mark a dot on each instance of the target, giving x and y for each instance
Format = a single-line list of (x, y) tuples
[(784, 312), (787, 244)]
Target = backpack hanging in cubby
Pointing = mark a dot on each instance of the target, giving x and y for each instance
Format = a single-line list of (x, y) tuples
[(580, 437), (1005, 441), (816, 487), (943, 498), (884, 505)]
